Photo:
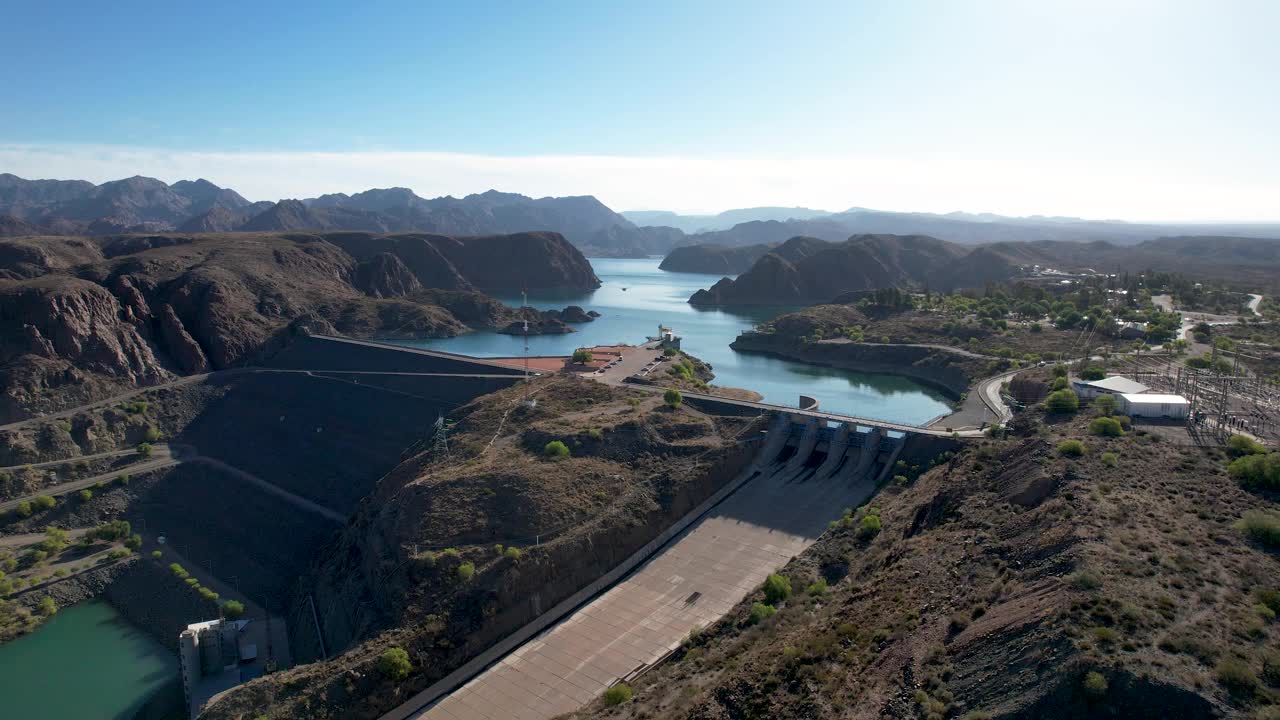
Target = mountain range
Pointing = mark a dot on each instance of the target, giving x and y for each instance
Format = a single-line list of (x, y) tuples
[(146, 205)]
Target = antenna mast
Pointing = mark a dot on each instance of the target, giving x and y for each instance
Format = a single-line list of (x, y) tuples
[(524, 300)]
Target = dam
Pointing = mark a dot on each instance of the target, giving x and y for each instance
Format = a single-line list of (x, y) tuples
[(805, 472)]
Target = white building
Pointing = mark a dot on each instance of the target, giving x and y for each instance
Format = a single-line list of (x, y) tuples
[(210, 655), (1114, 385), (1151, 405)]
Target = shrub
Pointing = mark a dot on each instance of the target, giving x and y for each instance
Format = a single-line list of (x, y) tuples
[(870, 526), (1261, 525), (119, 553), (179, 571), (1060, 371), (777, 588), (1105, 405), (466, 571), (1238, 445), (1110, 459), (595, 434), (85, 495), (817, 588), (233, 609), (1071, 448), (556, 449), (133, 542), (151, 434), (145, 449), (1094, 684), (759, 613), (48, 607), (582, 356), (156, 554), (672, 398), (1106, 427), (513, 553), (451, 552), (1271, 669), (394, 664), (1236, 677), (1257, 470), (44, 502), (23, 509), (1093, 372), (208, 594), (1059, 383), (1062, 402), (617, 694), (123, 479)]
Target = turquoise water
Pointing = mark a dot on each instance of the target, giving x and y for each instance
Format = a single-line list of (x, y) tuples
[(652, 297), (87, 663)]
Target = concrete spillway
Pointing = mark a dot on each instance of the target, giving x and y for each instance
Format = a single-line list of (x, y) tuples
[(781, 508)]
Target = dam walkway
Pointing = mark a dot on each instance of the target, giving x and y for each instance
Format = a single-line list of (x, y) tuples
[(802, 478)]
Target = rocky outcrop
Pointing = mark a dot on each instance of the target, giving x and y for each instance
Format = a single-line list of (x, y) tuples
[(385, 275), (575, 314), (217, 219), (713, 259), (806, 270), (182, 347)]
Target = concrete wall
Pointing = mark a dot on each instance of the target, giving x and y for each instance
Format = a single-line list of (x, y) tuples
[(321, 353)]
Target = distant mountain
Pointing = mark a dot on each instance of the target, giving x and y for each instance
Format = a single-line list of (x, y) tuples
[(713, 259), (807, 270), (705, 223), (11, 226)]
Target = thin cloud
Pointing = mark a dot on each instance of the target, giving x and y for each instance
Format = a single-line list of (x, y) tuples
[(1023, 186)]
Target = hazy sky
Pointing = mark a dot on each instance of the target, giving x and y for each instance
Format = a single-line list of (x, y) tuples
[(1139, 110)]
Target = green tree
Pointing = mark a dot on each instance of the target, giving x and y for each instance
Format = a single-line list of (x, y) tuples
[(85, 495), (1095, 685), (44, 502), (394, 664), (777, 588), (1093, 372), (232, 609), (1071, 448), (672, 398), (1238, 445), (556, 449), (759, 613), (151, 434), (582, 356), (1105, 404), (1062, 402), (23, 509), (48, 607), (145, 449), (466, 571)]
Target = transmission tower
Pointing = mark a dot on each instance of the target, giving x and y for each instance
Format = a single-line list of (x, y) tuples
[(440, 444)]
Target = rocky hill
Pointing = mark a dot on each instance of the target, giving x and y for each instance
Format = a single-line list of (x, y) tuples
[(805, 270), (714, 259), (1013, 580), (84, 316)]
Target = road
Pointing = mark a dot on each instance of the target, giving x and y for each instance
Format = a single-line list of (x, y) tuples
[(1254, 302), (78, 458), (162, 456)]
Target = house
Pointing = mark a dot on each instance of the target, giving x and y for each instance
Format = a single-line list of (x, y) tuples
[(1114, 385), (1150, 405), (1131, 331)]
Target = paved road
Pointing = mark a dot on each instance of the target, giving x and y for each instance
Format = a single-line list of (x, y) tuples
[(1254, 302), (946, 348), (78, 458)]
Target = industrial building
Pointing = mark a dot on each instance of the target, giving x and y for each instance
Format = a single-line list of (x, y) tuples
[(215, 655), (1151, 405), (1114, 385)]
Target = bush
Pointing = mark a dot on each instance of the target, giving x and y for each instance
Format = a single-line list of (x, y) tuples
[(777, 588), (85, 495), (870, 526), (1094, 684), (759, 613), (1110, 459), (672, 398), (1238, 445), (208, 594), (1059, 383), (1060, 371), (232, 609), (1236, 677), (1261, 525), (817, 588), (512, 553), (123, 479), (23, 509), (556, 449), (145, 449), (133, 542), (48, 607), (156, 554), (1093, 372), (1257, 470), (1105, 405), (179, 571), (466, 571), (1106, 427), (582, 356), (151, 434), (394, 664), (44, 502), (1062, 402), (617, 694), (1071, 448)]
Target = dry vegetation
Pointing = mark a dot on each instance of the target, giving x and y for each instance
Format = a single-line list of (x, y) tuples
[(1011, 582)]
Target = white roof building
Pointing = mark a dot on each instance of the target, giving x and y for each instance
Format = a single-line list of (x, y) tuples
[(1114, 385), (1155, 405)]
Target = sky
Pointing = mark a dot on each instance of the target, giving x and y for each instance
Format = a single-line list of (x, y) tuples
[(1161, 110)]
